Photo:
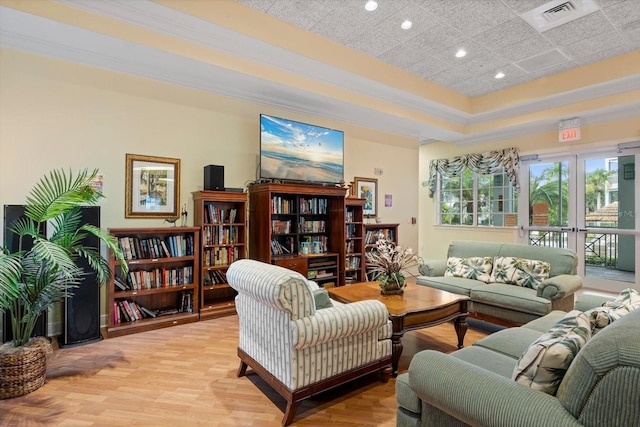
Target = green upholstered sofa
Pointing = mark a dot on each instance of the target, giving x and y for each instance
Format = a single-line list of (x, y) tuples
[(504, 303), (473, 386)]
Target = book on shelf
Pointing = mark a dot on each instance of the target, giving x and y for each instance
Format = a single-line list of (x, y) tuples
[(215, 277)]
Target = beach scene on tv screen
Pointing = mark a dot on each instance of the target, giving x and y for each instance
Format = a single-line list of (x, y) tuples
[(300, 152)]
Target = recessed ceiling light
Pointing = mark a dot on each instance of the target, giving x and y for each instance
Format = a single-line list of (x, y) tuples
[(461, 53), (371, 5), (500, 75), (406, 24)]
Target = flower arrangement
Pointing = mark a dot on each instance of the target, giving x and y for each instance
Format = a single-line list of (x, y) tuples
[(387, 262)]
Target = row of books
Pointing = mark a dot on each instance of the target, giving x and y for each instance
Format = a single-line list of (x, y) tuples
[(214, 215), (353, 230), (279, 226), (352, 263), (314, 206), (220, 256), (156, 278), (313, 226), (130, 311), (278, 248), (281, 206), (218, 235), (215, 277), (373, 236), (349, 215), (133, 247), (350, 247)]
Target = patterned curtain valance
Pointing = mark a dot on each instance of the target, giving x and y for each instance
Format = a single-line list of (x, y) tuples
[(482, 163)]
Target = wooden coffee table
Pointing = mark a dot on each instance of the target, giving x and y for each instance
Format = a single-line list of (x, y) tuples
[(419, 307)]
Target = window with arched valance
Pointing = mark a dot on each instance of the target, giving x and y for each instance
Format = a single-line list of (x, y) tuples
[(482, 163)]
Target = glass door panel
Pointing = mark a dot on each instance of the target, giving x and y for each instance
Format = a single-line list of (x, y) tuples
[(607, 227)]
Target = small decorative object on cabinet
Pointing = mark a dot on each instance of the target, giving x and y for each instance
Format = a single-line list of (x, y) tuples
[(374, 232), (160, 289), (300, 227), (354, 251), (222, 218)]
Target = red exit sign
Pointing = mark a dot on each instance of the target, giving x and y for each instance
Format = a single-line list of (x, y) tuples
[(569, 130)]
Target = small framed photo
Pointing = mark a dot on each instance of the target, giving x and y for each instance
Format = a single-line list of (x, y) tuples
[(367, 189), (152, 187)]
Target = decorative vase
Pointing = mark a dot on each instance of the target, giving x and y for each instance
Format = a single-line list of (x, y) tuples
[(391, 284), (23, 369)]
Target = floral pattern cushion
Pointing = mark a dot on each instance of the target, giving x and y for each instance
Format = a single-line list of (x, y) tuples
[(528, 273), (543, 365), (478, 268), (628, 300)]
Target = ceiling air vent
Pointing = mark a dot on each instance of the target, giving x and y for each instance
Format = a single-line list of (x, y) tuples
[(558, 12)]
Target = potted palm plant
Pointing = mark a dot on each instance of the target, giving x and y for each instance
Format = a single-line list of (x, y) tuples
[(33, 280)]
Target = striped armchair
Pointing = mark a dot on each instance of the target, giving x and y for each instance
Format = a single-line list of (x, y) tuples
[(297, 350)]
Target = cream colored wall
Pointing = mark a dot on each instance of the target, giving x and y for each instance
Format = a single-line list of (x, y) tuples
[(434, 239), (55, 114)]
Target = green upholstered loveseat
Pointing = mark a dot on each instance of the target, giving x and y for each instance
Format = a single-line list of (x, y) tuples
[(473, 386), (505, 303)]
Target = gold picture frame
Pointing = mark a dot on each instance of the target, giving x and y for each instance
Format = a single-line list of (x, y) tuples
[(367, 189), (152, 187)]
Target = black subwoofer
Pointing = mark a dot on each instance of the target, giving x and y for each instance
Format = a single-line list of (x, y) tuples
[(214, 178)]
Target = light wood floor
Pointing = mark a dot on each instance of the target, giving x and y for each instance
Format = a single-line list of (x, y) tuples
[(185, 376)]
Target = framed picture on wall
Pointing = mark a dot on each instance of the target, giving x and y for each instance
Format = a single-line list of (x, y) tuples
[(152, 187), (367, 189)]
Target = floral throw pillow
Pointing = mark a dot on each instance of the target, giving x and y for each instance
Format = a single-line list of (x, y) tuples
[(543, 365), (478, 268), (528, 273), (628, 300)]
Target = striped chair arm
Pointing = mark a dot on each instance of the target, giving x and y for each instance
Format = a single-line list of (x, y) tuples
[(334, 323)]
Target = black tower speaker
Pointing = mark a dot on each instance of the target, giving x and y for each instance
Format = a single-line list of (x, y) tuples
[(81, 319), (214, 177), (12, 242)]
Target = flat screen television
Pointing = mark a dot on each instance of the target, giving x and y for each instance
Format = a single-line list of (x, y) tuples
[(294, 151)]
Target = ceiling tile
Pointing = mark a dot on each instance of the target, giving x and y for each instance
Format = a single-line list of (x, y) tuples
[(586, 26), (593, 44), (337, 27), (554, 69), (402, 56), (443, 8), (506, 34), (428, 67), (522, 6), (525, 49), (603, 54), (373, 42), (488, 63), (421, 22), (622, 14), (436, 38)]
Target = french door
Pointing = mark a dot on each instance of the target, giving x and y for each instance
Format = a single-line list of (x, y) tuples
[(587, 202)]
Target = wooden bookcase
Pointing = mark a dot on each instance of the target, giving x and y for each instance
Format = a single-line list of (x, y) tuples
[(221, 215), (354, 250), (164, 269), (282, 217), (372, 233)]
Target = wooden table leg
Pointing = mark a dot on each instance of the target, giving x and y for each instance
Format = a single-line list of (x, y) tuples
[(460, 324), (396, 344)]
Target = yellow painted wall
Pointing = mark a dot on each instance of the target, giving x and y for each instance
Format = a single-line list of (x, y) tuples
[(434, 239), (54, 114)]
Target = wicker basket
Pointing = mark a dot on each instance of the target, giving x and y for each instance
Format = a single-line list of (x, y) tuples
[(23, 369)]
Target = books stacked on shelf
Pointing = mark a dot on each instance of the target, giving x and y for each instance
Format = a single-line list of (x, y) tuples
[(313, 206), (220, 256), (278, 248), (154, 247), (217, 235), (281, 206), (130, 311), (353, 263), (214, 215), (373, 236), (349, 247), (215, 277), (156, 278), (279, 226), (313, 226), (352, 230), (349, 216), (186, 302)]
